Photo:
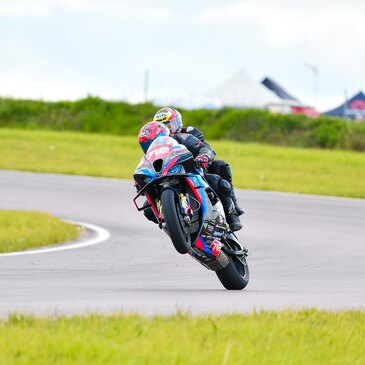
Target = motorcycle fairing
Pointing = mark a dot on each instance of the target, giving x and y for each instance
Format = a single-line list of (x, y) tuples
[(154, 208), (207, 248), (162, 156), (201, 252), (198, 186)]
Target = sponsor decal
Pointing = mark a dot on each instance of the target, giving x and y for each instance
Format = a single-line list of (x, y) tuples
[(357, 105), (158, 152), (216, 247), (160, 116), (163, 116)]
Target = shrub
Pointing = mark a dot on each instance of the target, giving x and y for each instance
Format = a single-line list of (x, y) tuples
[(95, 115)]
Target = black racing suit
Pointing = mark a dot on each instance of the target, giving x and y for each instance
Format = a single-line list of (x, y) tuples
[(194, 145), (217, 167), (198, 146)]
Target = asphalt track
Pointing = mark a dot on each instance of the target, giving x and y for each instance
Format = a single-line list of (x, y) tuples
[(304, 251)]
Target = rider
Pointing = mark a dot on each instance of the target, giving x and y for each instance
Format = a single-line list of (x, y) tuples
[(203, 154), (170, 115)]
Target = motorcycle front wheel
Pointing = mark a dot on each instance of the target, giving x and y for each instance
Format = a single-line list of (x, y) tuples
[(174, 223)]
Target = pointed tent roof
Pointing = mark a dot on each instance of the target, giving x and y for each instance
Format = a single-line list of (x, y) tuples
[(352, 108), (241, 91), (277, 89)]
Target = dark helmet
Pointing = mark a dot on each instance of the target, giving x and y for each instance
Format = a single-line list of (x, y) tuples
[(149, 132), (171, 117)]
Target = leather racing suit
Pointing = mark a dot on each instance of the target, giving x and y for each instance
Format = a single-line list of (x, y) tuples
[(218, 167)]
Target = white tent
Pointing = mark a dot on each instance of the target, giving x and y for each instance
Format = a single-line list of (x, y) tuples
[(242, 92)]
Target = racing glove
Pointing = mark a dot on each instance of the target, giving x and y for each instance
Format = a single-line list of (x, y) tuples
[(203, 161)]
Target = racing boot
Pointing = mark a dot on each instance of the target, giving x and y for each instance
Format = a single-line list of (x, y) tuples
[(232, 217), (239, 210)]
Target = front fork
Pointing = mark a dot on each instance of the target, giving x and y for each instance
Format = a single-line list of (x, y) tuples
[(185, 208)]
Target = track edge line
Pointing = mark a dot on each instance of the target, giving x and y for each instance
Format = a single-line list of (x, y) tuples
[(101, 235)]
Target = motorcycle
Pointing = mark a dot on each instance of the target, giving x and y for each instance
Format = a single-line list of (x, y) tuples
[(189, 211)]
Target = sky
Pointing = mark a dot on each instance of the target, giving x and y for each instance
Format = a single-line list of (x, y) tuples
[(68, 49)]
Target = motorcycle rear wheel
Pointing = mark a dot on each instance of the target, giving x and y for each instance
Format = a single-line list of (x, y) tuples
[(179, 237), (235, 276)]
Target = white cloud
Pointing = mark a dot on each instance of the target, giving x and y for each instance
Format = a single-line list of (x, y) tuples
[(44, 8), (286, 34), (331, 31), (113, 7), (23, 85), (283, 25), (19, 9)]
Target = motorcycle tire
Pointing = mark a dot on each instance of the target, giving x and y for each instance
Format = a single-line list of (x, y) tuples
[(174, 226), (235, 276)]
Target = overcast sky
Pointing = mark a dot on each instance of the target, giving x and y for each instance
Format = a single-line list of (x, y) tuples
[(66, 49)]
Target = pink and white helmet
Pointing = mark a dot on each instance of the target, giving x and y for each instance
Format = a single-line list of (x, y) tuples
[(149, 132)]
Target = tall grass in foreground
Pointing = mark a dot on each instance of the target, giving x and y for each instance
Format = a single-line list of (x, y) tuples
[(304, 337), (255, 166), (23, 230)]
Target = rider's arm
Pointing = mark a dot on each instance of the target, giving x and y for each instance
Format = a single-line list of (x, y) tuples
[(193, 131), (206, 151), (195, 146)]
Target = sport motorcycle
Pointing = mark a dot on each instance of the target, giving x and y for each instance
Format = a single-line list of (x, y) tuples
[(181, 202)]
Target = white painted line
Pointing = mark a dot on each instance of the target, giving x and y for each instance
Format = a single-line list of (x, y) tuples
[(101, 236)]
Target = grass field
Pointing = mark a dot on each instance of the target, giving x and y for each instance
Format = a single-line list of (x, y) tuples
[(283, 338), (255, 166), (23, 230)]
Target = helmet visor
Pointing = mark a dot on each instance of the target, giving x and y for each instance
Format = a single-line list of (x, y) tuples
[(175, 125), (145, 145)]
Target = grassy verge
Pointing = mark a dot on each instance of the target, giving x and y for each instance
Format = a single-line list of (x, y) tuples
[(23, 230), (304, 337), (255, 166)]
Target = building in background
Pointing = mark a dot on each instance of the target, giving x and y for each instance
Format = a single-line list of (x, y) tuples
[(240, 91), (278, 89), (292, 103), (353, 108)]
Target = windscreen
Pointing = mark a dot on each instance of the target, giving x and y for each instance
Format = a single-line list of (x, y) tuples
[(162, 141)]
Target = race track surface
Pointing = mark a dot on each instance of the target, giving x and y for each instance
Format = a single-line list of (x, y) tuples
[(304, 251)]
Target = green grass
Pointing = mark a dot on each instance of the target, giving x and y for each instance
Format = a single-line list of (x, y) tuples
[(96, 115), (23, 230), (255, 166), (304, 337)]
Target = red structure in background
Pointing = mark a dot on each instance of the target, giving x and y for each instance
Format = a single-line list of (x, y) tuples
[(290, 104), (306, 110)]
